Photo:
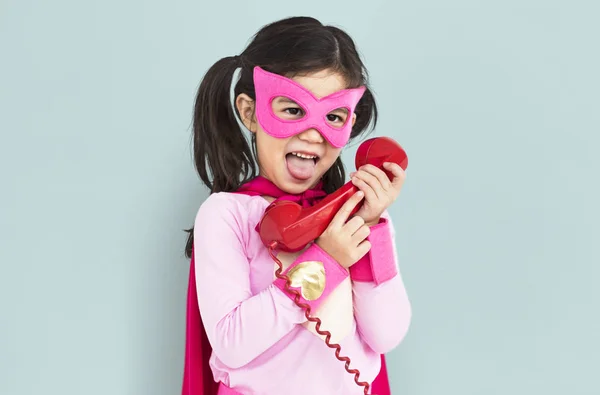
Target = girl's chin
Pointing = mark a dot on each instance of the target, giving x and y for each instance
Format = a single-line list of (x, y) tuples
[(294, 185)]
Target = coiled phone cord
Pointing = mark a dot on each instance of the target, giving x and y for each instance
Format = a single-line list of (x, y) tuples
[(316, 320)]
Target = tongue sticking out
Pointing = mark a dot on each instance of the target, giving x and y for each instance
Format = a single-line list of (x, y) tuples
[(299, 168)]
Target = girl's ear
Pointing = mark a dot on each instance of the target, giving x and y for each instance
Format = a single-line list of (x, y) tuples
[(245, 107), (353, 118)]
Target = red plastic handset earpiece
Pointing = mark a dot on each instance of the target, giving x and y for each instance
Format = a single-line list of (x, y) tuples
[(292, 227)]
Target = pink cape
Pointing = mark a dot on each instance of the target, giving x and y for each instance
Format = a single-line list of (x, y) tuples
[(197, 375)]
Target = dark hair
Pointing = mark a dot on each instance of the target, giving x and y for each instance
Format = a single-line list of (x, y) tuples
[(287, 47)]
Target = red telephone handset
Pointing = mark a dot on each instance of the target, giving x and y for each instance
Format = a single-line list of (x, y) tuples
[(292, 227), (287, 226)]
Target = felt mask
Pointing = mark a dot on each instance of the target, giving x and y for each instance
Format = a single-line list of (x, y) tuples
[(269, 86)]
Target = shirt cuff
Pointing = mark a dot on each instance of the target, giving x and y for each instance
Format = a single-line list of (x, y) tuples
[(379, 264), (314, 274)]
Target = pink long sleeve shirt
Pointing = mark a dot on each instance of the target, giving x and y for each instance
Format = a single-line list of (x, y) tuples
[(262, 344)]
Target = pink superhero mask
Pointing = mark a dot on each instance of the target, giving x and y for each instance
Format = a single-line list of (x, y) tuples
[(269, 86)]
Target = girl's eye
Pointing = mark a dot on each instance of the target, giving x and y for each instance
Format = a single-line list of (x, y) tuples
[(334, 118), (293, 111)]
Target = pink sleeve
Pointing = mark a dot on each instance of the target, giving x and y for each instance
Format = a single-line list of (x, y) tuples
[(323, 275), (381, 306), (377, 265), (240, 326)]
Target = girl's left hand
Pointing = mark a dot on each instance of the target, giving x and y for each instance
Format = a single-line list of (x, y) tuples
[(379, 191)]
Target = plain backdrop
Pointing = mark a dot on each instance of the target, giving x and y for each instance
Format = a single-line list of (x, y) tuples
[(496, 103)]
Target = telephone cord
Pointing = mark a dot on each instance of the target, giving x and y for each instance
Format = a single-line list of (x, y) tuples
[(316, 321)]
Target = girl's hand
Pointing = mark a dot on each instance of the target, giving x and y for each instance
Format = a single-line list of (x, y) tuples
[(345, 241), (379, 191)]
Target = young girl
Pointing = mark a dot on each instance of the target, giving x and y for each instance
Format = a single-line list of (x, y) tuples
[(301, 95)]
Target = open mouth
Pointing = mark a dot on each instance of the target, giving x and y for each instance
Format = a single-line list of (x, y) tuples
[(304, 156)]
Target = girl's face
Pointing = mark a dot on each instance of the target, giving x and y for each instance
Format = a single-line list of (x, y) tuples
[(296, 163)]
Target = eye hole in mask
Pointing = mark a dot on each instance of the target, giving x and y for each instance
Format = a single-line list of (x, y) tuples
[(286, 109)]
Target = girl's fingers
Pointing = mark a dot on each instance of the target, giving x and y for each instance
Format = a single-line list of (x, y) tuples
[(370, 193), (372, 182), (398, 173), (379, 174), (341, 217)]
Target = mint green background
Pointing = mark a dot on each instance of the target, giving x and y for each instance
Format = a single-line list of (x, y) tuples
[(497, 104)]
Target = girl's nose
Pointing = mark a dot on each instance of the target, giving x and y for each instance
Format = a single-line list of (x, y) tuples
[(311, 136)]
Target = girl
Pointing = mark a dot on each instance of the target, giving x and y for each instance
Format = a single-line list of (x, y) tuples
[(301, 95)]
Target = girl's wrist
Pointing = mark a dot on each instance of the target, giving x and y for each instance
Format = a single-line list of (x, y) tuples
[(373, 222)]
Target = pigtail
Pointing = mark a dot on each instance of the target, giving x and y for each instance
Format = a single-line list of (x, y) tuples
[(334, 177), (219, 145), (222, 155)]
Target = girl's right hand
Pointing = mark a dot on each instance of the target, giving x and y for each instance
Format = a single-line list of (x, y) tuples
[(345, 240)]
